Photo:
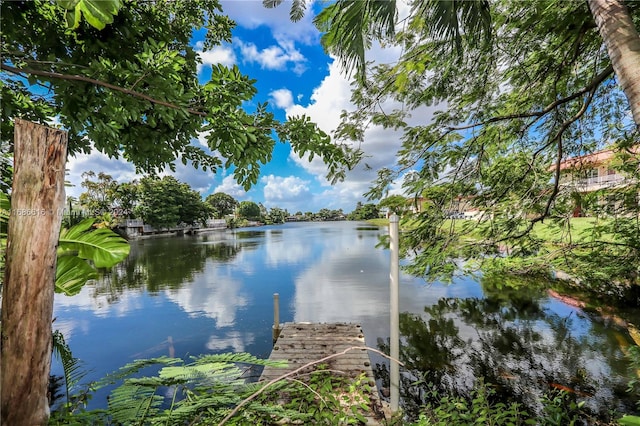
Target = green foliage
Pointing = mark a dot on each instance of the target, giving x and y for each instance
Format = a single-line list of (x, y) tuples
[(249, 210), (100, 195), (277, 215), (327, 399), (530, 90), (396, 204), (73, 373), (132, 90), (560, 409), (364, 212), (629, 420), (349, 27), (477, 410), (83, 248), (205, 390), (166, 202), (634, 369), (222, 204), (98, 13)]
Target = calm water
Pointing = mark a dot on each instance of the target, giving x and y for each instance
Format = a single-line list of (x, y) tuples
[(183, 296)]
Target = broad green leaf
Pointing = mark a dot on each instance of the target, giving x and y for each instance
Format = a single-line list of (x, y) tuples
[(71, 274), (98, 13), (630, 421), (102, 246)]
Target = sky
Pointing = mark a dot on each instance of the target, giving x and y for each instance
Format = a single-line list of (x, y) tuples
[(295, 77)]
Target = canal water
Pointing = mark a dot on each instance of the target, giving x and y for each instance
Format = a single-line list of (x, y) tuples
[(213, 293)]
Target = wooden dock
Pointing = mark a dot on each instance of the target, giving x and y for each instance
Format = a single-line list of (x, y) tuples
[(302, 343)]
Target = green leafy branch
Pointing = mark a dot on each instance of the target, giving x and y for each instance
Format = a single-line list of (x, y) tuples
[(98, 13)]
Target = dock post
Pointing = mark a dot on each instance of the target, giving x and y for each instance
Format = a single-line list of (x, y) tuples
[(276, 317), (394, 337)]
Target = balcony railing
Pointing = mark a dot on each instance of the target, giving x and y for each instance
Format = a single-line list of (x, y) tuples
[(599, 182)]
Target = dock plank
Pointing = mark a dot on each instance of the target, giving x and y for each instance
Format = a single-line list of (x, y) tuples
[(301, 343)]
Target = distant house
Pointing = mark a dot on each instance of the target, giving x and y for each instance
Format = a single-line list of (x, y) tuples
[(594, 172), (461, 207)]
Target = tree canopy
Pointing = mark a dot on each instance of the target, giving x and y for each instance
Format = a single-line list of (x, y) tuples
[(517, 88), (249, 210), (222, 204), (131, 90), (166, 202)]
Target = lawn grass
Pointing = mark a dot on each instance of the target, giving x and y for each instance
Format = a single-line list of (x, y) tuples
[(379, 222), (548, 230)]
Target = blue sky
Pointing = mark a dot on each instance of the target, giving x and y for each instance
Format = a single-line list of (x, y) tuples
[(295, 77)]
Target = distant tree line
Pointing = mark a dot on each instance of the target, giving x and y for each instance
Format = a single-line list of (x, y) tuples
[(166, 202)]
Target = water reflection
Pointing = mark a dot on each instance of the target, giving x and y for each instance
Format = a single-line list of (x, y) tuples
[(517, 339), (213, 293)]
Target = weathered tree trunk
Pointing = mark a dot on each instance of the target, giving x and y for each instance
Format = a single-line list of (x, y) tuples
[(623, 45), (37, 200)]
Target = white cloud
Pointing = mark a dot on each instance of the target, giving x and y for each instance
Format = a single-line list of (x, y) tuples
[(231, 340), (252, 14), (119, 169), (282, 98), (218, 55), (279, 189), (214, 294), (380, 146), (230, 186), (272, 57)]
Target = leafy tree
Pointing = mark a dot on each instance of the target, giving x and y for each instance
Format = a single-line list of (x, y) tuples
[(166, 202), (127, 198), (100, 194), (364, 212), (122, 79), (263, 210), (350, 26), (278, 215), (136, 80), (222, 204), (511, 106), (249, 210), (396, 204)]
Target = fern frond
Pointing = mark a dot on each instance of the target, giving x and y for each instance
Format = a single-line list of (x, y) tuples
[(132, 404), (270, 4), (71, 366), (207, 372), (240, 358), (133, 368)]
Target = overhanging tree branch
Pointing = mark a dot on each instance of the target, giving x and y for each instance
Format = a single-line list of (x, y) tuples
[(73, 77), (598, 79)]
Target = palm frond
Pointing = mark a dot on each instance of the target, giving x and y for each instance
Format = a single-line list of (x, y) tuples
[(349, 26), (454, 21), (270, 4), (298, 8)]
